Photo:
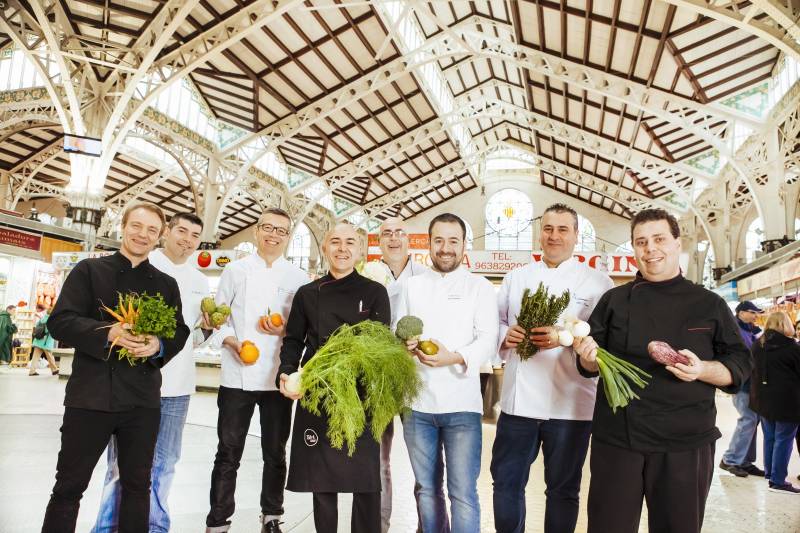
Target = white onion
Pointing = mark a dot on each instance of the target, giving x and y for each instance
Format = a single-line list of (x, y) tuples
[(581, 329), (565, 338), (292, 384)]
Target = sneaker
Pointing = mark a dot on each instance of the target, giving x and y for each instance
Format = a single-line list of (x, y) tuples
[(753, 470), (786, 488), (733, 469), (273, 526)]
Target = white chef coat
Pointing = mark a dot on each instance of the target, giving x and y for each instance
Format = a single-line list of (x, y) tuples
[(178, 376), (548, 384), (459, 309), (250, 288), (395, 287)]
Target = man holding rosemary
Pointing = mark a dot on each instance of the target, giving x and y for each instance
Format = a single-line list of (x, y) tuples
[(545, 403), (181, 239), (661, 446), (393, 240), (106, 395)]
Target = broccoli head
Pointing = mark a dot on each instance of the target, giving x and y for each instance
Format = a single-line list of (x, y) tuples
[(408, 327)]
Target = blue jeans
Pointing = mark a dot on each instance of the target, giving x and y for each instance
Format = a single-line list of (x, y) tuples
[(744, 434), (460, 435), (778, 444), (516, 447), (167, 453)]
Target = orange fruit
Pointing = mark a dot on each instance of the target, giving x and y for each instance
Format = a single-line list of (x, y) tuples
[(263, 321), (276, 319), (249, 352)]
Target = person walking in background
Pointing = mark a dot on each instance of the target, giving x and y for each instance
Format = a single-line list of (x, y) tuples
[(775, 396), (181, 239), (546, 404), (43, 344), (7, 330), (741, 453)]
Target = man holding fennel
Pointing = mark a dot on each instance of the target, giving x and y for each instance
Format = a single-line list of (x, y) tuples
[(340, 297), (545, 403), (107, 394), (661, 446)]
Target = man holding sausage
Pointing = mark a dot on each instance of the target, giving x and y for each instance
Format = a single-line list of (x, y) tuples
[(659, 447)]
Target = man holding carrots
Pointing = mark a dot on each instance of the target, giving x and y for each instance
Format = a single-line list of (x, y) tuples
[(545, 403), (106, 395), (661, 446), (254, 287), (181, 239)]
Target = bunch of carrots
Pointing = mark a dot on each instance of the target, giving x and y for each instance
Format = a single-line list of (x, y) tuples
[(144, 315)]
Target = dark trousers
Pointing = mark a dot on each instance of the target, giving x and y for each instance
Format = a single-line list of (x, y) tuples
[(365, 518), (516, 446), (236, 408), (84, 435), (674, 485)]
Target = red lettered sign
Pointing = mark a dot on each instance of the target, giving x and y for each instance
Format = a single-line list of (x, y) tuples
[(20, 239)]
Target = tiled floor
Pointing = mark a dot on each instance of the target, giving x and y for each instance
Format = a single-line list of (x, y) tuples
[(30, 416)]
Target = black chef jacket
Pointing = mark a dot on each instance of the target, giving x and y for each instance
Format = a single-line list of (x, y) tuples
[(318, 309), (101, 381), (672, 415)]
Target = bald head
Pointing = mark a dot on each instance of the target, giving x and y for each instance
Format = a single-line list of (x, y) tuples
[(342, 249), (393, 239)]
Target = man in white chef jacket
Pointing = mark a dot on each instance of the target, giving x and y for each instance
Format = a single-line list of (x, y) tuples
[(545, 404), (181, 239), (393, 240), (459, 313), (252, 286)]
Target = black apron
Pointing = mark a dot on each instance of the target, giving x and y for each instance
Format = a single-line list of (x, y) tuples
[(314, 465)]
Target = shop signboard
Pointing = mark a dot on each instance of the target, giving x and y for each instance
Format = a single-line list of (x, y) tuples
[(20, 239), (728, 291), (68, 260)]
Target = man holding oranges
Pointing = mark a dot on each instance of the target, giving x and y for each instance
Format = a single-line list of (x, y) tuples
[(259, 290)]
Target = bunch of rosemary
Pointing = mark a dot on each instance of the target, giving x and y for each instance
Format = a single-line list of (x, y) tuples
[(362, 373), (537, 310)]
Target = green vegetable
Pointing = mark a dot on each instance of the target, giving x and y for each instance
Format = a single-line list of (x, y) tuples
[(537, 310), (147, 315), (362, 372), (616, 373), (408, 327)]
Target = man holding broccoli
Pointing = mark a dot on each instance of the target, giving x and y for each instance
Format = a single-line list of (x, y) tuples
[(458, 310), (545, 403), (661, 446), (106, 395)]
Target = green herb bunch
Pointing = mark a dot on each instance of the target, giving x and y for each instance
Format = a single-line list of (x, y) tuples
[(146, 315), (537, 310), (616, 374), (362, 373)]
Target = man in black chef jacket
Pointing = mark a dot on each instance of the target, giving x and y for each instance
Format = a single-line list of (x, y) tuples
[(660, 447), (343, 296), (107, 396)]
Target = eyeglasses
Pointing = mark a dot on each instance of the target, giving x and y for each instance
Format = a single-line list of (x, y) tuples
[(269, 228), (398, 233)]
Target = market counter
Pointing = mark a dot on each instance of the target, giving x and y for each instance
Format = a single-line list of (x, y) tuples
[(207, 368)]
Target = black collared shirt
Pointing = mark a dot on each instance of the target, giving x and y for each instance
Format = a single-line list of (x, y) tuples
[(671, 415), (99, 379)]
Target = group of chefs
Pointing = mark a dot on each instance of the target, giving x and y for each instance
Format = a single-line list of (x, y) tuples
[(660, 448)]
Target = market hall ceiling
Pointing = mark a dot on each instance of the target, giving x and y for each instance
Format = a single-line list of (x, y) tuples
[(617, 102)]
